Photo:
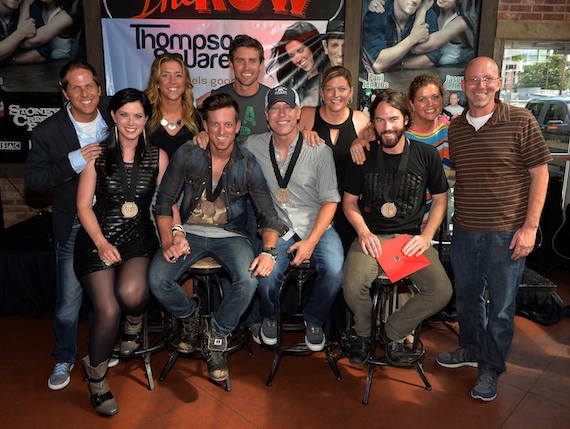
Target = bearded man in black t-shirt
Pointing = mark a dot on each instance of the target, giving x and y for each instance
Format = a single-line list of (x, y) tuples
[(383, 198)]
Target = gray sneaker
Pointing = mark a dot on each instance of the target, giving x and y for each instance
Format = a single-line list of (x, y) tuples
[(314, 337), (268, 332), (254, 331), (455, 359), (486, 387), (60, 376)]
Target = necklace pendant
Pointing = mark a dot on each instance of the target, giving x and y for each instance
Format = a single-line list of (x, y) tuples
[(170, 125)]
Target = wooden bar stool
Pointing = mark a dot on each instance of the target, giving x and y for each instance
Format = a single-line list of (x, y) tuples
[(206, 274), (384, 296), (299, 276)]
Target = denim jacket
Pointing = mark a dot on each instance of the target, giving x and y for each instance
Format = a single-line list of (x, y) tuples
[(188, 172)]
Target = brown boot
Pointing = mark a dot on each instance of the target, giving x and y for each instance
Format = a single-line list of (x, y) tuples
[(131, 335), (101, 397)]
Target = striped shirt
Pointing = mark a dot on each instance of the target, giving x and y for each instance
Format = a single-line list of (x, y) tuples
[(437, 136), (492, 168)]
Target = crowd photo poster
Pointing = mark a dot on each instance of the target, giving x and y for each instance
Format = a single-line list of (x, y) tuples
[(401, 39)]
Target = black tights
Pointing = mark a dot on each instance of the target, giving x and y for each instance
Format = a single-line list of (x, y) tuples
[(112, 290)]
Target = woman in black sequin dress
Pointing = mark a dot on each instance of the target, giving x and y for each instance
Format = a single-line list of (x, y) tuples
[(117, 239)]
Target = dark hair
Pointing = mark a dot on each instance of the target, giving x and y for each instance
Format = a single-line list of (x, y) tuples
[(422, 80), (219, 101), (397, 100), (114, 153), (75, 65), (470, 10), (335, 30), (245, 41), (287, 73)]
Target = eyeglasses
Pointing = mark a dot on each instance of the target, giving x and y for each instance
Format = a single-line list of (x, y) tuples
[(485, 80)]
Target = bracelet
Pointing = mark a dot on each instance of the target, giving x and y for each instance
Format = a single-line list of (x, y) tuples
[(274, 257), (178, 228)]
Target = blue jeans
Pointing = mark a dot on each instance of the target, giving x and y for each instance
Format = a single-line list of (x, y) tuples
[(486, 335), (234, 254), (328, 260), (69, 297)]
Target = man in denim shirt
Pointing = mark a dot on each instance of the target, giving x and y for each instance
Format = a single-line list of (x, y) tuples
[(216, 183), (388, 37)]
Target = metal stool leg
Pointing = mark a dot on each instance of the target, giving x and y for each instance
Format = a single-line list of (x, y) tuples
[(383, 304), (300, 275)]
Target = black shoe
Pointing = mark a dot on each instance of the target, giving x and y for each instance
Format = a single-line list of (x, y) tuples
[(216, 361), (398, 354), (190, 330), (359, 350)]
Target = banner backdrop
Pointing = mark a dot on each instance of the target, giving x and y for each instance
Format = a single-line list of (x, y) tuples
[(136, 32)]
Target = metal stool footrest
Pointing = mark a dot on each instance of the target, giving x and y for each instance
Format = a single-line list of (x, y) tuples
[(383, 305), (206, 274), (299, 276)]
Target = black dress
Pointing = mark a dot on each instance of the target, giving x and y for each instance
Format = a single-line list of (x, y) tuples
[(133, 237), (170, 144), (341, 151)]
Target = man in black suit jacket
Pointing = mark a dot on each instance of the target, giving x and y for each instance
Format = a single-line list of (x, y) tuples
[(62, 146)]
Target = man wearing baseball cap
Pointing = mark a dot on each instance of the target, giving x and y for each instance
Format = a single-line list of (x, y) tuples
[(303, 185)]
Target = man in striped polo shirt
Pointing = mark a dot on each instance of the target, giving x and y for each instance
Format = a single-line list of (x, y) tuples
[(500, 159)]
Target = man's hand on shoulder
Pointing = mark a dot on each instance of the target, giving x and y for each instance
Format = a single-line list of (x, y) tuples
[(201, 139), (91, 152)]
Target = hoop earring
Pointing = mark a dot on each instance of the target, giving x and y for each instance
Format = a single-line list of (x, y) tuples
[(116, 133), (350, 100)]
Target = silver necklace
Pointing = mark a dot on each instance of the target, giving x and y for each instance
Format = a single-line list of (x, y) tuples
[(170, 125)]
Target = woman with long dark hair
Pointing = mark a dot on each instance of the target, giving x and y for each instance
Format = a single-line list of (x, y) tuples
[(458, 22), (296, 59), (117, 239)]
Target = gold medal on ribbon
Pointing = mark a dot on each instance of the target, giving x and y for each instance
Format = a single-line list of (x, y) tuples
[(208, 208), (388, 210), (129, 209), (282, 195)]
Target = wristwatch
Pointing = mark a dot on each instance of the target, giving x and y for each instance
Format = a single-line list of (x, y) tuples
[(270, 251)]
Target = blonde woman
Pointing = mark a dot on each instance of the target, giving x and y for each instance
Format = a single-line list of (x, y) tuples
[(174, 119)]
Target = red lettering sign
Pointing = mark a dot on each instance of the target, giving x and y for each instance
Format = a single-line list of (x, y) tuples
[(298, 7)]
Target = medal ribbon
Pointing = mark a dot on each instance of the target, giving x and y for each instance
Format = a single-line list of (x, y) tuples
[(212, 196), (389, 193), (284, 181), (129, 191)]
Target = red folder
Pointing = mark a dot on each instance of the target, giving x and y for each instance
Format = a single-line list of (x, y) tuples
[(395, 264)]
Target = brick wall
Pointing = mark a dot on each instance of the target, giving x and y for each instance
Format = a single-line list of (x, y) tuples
[(17, 209), (534, 10)]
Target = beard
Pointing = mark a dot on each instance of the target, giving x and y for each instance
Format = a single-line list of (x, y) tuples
[(389, 139)]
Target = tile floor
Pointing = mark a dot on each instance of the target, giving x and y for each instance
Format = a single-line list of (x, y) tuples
[(533, 393)]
